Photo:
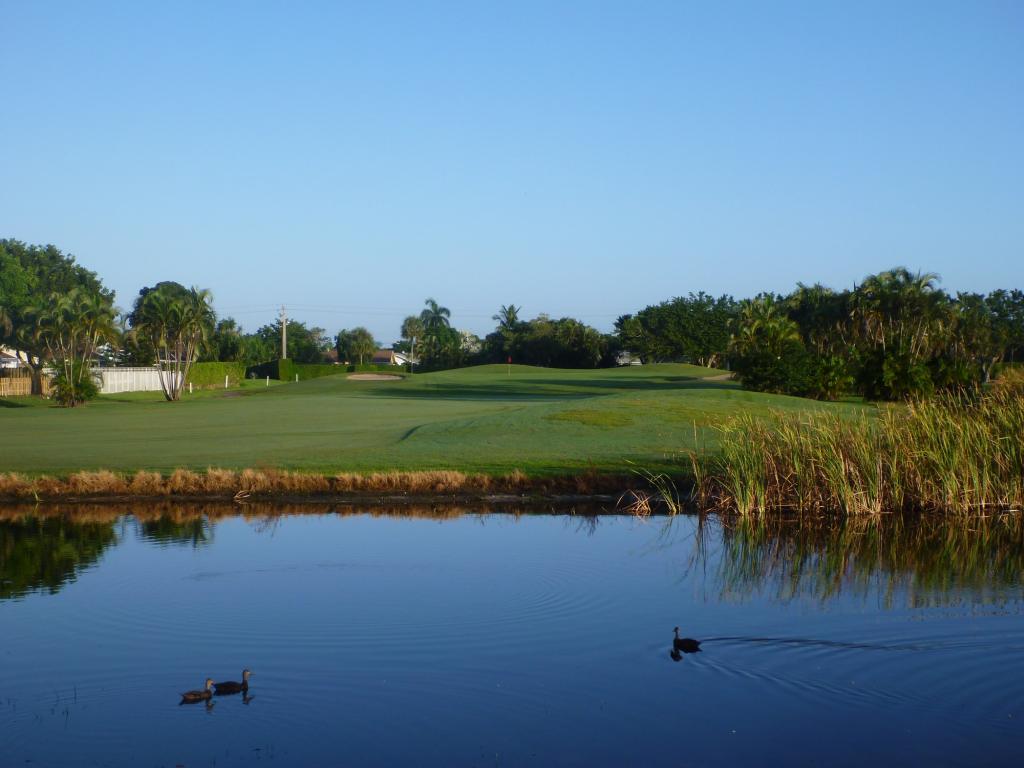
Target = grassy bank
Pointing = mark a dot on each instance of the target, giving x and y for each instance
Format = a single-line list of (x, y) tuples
[(215, 483), (954, 455), (488, 421)]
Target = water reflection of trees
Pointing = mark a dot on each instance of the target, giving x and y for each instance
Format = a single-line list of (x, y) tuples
[(45, 553), (191, 523), (919, 560), (909, 560), (193, 530)]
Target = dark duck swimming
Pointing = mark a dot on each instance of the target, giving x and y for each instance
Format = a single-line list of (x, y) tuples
[(191, 697), (230, 686), (685, 644)]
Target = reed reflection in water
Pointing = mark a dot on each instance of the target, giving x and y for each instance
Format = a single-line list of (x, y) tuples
[(919, 559)]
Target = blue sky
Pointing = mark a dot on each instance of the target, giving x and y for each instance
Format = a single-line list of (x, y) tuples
[(586, 159)]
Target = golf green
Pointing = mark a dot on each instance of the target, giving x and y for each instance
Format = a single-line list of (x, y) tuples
[(490, 419)]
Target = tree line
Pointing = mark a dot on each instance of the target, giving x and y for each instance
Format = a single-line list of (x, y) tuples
[(895, 335)]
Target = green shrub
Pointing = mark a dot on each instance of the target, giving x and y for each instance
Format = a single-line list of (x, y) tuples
[(893, 375), (285, 370), (790, 373), (312, 370), (211, 375), (73, 384), (830, 378)]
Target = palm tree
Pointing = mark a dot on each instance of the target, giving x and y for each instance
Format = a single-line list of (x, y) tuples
[(72, 327), (177, 322), (412, 329), (764, 326), (508, 325), (435, 317), (507, 318), (899, 308), (901, 321), (436, 324)]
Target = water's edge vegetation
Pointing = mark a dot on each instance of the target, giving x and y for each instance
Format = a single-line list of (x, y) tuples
[(221, 484), (956, 455)]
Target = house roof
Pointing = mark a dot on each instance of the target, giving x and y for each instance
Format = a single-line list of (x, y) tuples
[(383, 356)]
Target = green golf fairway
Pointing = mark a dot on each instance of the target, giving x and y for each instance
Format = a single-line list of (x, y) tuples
[(485, 419)]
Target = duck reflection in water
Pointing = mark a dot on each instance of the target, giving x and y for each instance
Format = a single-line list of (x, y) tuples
[(681, 645)]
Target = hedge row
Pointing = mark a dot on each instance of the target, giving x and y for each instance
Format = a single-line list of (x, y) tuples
[(285, 370), (211, 375)]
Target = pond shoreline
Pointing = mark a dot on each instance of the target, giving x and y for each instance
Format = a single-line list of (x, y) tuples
[(346, 500), (281, 486)]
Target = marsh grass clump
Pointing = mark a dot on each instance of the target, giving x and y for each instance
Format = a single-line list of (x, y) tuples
[(958, 453)]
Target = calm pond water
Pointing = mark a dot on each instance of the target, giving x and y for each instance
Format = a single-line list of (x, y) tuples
[(449, 638)]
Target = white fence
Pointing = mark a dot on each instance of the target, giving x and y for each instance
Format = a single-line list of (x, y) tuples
[(115, 380)]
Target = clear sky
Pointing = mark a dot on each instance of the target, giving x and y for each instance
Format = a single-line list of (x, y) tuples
[(349, 159)]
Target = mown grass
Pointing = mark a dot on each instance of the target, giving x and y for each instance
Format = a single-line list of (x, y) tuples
[(544, 423), (952, 454)]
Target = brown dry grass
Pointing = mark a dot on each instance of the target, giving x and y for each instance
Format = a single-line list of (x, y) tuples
[(247, 483)]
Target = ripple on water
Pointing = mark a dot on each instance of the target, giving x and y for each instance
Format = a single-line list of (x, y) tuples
[(542, 646)]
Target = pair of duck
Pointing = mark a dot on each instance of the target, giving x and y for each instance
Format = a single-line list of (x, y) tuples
[(219, 689)]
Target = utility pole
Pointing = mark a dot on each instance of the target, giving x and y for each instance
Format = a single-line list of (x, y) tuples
[(284, 334)]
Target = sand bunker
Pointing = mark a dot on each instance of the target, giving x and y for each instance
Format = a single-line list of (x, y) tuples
[(374, 377)]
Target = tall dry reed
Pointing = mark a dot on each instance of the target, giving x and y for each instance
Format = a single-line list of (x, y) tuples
[(952, 454)]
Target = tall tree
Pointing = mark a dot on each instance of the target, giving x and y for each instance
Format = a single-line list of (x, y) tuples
[(1007, 309), (305, 344), (507, 317), (225, 342), (29, 275), (177, 321), (436, 329), (357, 343), (768, 352), (73, 326), (693, 327), (412, 330), (509, 325), (900, 321)]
